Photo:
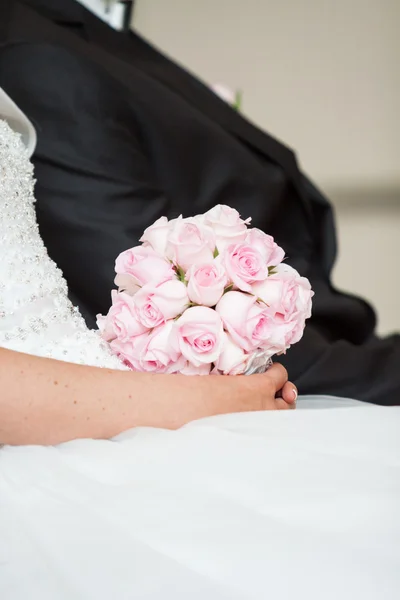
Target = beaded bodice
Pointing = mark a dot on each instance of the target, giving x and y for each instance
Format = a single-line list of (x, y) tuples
[(35, 314)]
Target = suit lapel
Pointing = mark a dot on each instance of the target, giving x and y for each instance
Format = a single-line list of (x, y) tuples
[(136, 51), (59, 11)]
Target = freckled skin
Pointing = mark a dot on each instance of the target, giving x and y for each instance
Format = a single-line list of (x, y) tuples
[(129, 399)]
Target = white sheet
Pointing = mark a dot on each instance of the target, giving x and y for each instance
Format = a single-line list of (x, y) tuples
[(297, 504)]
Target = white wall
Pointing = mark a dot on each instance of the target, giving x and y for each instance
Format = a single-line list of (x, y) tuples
[(323, 76)]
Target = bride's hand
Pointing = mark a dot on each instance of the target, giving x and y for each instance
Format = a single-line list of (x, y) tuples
[(178, 399), (47, 401), (270, 391)]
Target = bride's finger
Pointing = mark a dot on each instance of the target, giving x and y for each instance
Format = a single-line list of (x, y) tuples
[(289, 393), (280, 404), (278, 375)]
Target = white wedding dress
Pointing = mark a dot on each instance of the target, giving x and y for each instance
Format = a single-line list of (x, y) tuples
[(294, 504)]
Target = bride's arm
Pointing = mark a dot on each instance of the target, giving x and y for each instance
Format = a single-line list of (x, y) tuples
[(45, 401)]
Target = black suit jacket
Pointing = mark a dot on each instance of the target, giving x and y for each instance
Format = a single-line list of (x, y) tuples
[(126, 135)]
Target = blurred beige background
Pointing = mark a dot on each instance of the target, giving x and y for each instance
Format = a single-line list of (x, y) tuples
[(324, 77)]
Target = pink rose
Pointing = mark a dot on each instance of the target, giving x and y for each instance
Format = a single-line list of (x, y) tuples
[(288, 297), (141, 265), (156, 354), (157, 304), (233, 359), (190, 243), (122, 320), (270, 251), (227, 225), (206, 283), (199, 335), (191, 370), (129, 351), (157, 235), (249, 322), (244, 266)]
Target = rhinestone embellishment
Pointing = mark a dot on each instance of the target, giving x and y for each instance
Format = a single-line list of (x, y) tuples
[(36, 315)]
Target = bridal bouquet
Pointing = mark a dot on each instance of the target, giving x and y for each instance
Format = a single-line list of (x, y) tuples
[(205, 295)]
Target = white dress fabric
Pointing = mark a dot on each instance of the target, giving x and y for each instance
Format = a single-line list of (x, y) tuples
[(35, 313), (293, 504)]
